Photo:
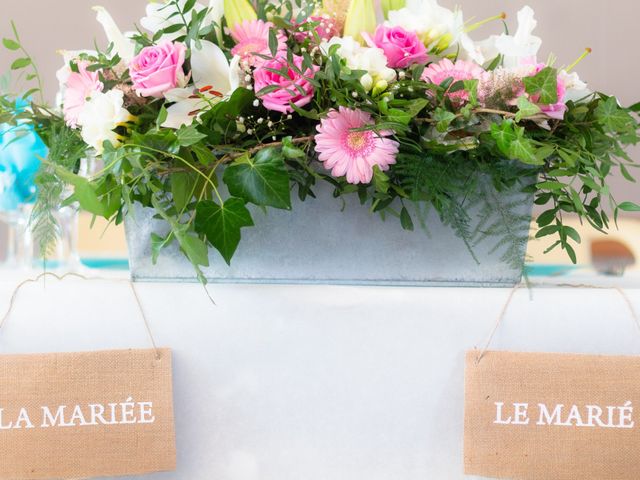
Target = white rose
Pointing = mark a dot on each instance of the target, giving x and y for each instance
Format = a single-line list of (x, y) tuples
[(372, 60), (100, 117)]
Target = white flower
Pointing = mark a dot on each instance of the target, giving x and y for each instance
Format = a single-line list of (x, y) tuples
[(517, 49), (209, 68), (161, 15), (100, 117), (372, 60), (576, 88), (122, 44), (438, 27)]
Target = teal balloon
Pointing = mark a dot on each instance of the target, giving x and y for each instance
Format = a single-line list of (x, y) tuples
[(21, 151)]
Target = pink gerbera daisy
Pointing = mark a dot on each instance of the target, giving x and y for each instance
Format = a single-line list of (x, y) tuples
[(461, 70), (353, 153), (252, 37), (78, 88)]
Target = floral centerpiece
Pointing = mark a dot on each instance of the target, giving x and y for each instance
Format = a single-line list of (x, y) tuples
[(206, 109)]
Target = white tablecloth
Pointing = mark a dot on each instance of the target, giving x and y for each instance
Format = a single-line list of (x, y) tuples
[(317, 382)]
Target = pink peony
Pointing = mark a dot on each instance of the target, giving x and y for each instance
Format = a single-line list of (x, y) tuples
[(326, 29), (158, 69), (461, 70), (293, 87), (78, 89), (353, 153), (401, 47), (252, 40)]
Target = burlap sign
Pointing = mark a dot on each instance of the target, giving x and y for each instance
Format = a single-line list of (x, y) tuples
[(82, 415), (531, 416)]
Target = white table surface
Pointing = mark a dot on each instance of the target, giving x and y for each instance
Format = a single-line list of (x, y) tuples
[(318, 382)]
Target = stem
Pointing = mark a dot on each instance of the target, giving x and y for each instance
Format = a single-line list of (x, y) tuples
[(34, 67)]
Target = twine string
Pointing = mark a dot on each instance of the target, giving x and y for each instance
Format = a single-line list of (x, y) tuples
[(505, 308), (44, 275)]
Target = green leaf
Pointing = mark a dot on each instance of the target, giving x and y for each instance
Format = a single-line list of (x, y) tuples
[(380, 180), (20, 63), (629, 207), (222, 224), (526, 109), (571, 233), (262, 180), (10, 44), (614, 118), (405, 219), (158, 243), (544, 83), (547, 217), (512, 142), (571, 252), (85, 193), (190, 135), (195, 249), (471, 87), (443, 118), (273, 42), (548, 230), (550, 185), (290, 151), (182, 189)]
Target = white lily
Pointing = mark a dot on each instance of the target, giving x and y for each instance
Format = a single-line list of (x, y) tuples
[(518, 49), (209, 69), (576, 88), (160, 15), (123, 45)]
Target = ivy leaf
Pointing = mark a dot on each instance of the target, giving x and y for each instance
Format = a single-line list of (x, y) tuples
[(182, 189), (262, 180), (190, 135), (545, 83), (222, 224), (158, 243), (512, 142), (444, 119), (526, 109), (614, 118), (290, 151), (195, 249)]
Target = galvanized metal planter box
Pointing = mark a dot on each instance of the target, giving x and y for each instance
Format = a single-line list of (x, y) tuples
[(320, 242)]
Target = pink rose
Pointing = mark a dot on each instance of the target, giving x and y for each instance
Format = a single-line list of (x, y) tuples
[(401, 47), (78, 88), (158, 69), (293, 87)]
